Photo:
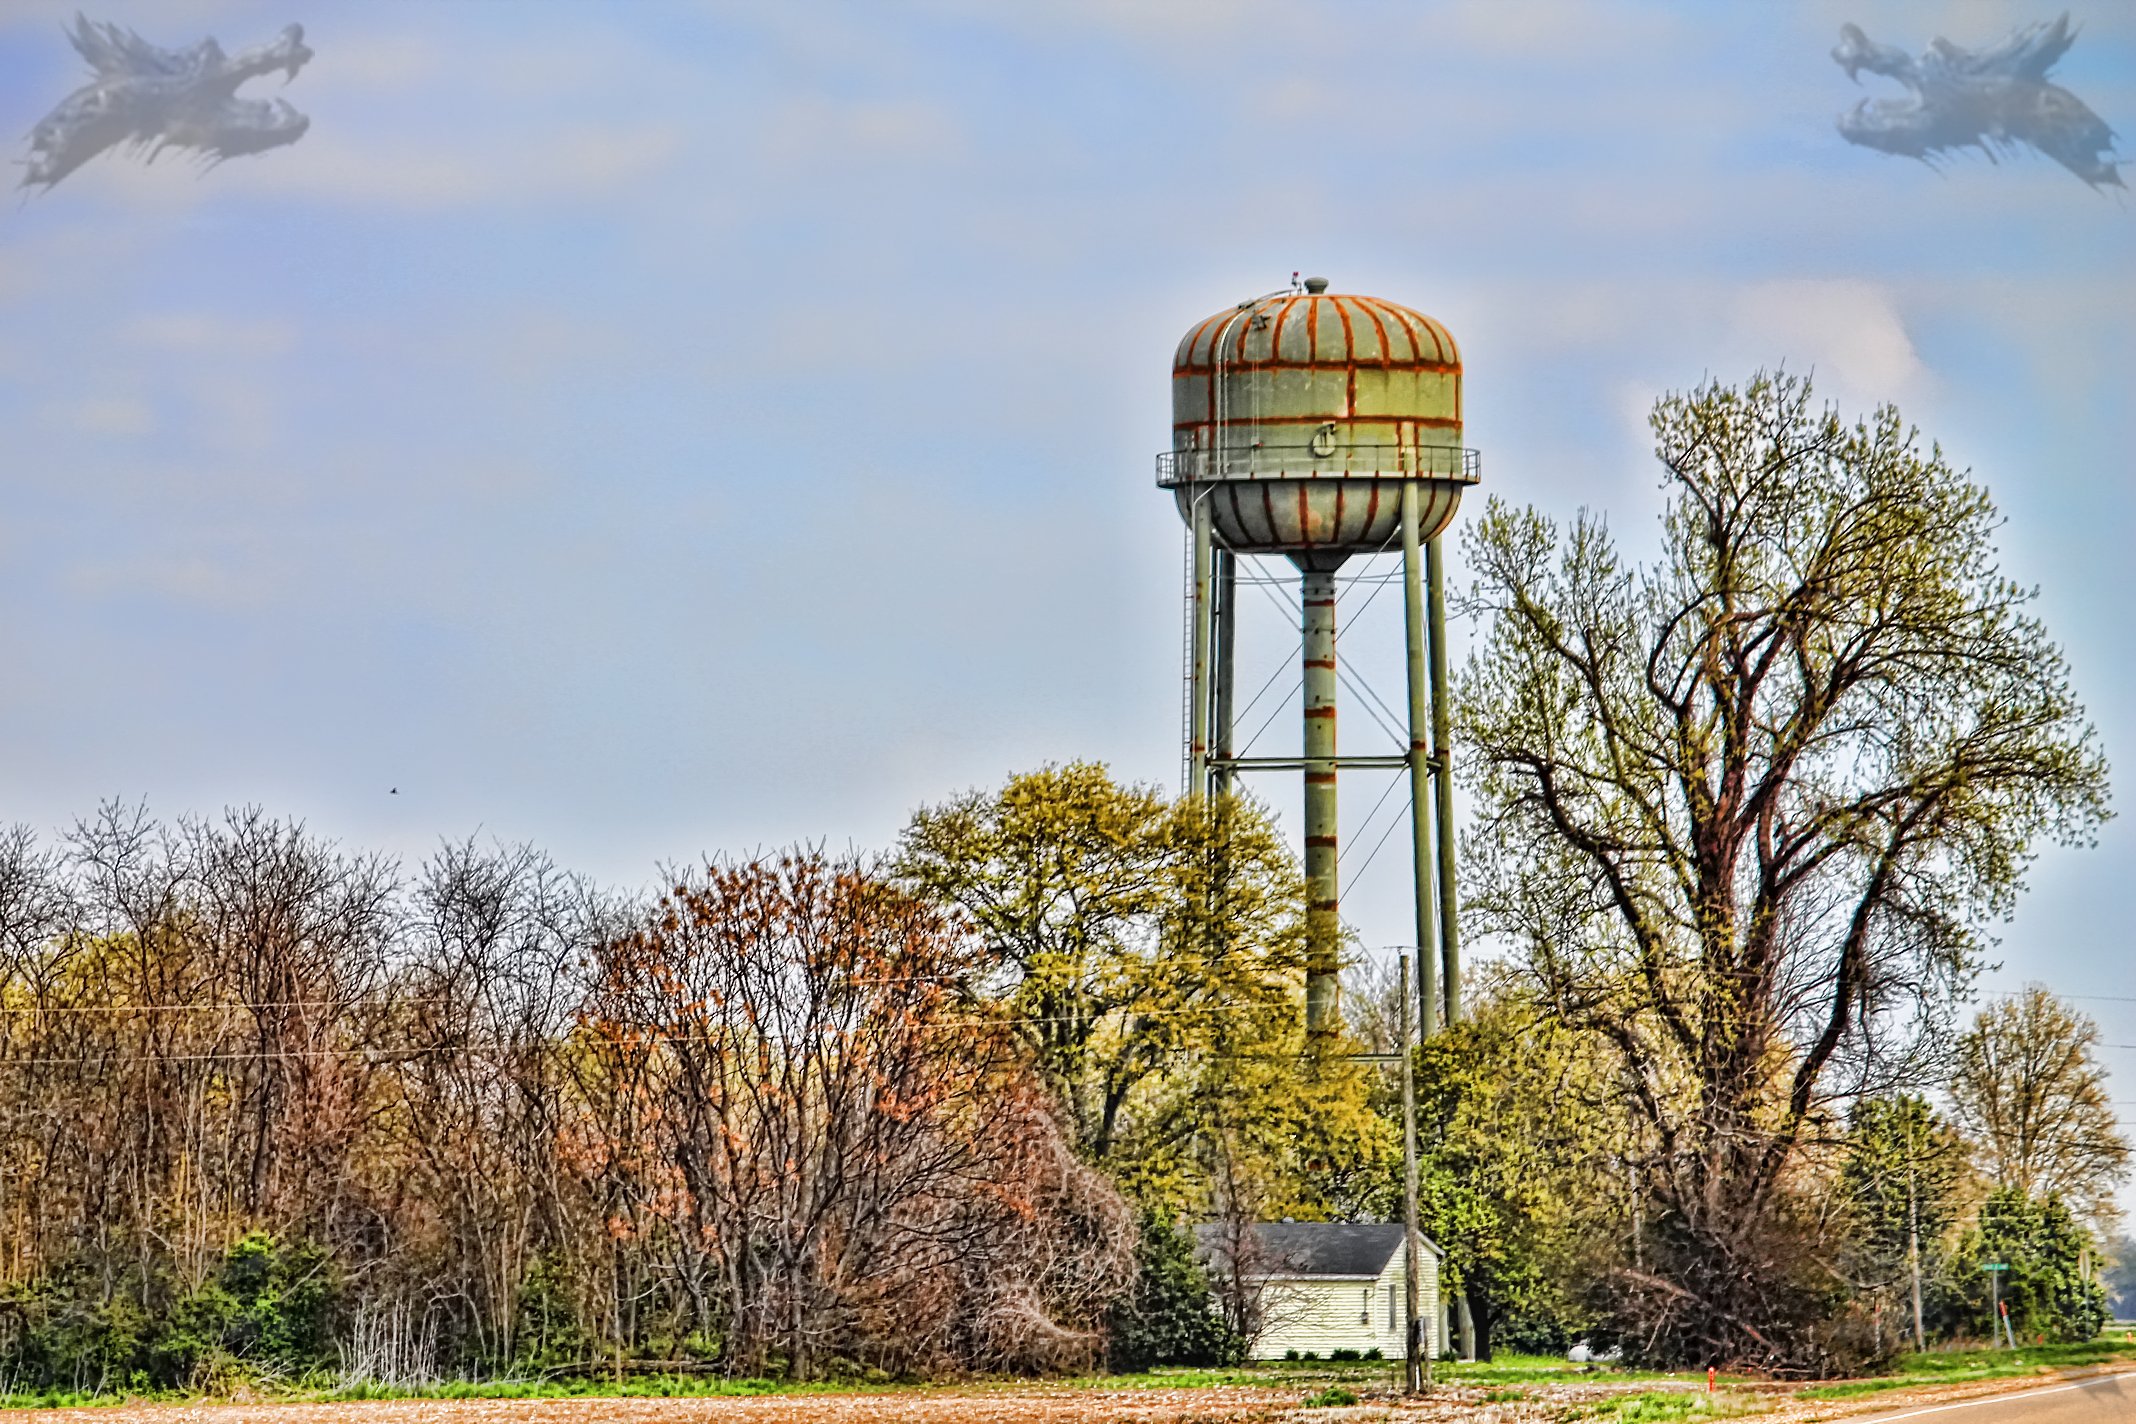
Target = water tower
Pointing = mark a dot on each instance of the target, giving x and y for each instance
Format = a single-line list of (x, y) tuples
[(1317, 426)]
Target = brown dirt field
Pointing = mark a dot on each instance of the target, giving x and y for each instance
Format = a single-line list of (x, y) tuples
[(1029, 1404)]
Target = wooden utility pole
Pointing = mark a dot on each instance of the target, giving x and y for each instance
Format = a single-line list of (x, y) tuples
[(1913, 1238), (1416, 1366)]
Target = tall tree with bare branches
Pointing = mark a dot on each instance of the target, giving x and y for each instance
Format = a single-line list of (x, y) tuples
[(1743, 811)]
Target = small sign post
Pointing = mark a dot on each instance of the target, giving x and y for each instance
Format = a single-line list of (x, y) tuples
[(1997, 1316)]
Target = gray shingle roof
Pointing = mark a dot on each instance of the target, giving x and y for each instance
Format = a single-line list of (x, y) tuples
[(1314, 1248)]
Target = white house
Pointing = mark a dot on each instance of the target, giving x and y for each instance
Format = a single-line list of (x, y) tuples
[(1325, 1285)]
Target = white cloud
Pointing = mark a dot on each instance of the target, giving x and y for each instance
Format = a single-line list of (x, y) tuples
[(203, 334), (188, 580), (1848, 332), (107, 416), (1166, 24), (159, 21), (236, 416), (1556, 30), (414, 174), (384, 63), (812, 129)]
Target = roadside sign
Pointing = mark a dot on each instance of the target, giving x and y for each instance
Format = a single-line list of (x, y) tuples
[(1996, 1266)]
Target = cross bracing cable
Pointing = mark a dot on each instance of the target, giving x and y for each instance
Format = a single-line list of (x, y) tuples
[(1400, 780), (1365, 826)]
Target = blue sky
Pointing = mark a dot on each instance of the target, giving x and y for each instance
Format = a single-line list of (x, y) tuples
[(665, 428)]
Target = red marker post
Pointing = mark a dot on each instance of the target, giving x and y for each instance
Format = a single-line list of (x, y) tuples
[(1709, 1379)]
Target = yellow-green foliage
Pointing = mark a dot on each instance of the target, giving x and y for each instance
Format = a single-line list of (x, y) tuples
[(1151, 950)]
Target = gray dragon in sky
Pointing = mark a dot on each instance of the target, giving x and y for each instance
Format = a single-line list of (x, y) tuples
[(1993, 99), (148, 98)]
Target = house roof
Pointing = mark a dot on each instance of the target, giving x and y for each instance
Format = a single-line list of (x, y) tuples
[(1314, 1248)]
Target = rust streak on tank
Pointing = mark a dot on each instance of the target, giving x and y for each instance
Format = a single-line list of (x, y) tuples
[(1351, 421), (1386, 356), (1446, 368)]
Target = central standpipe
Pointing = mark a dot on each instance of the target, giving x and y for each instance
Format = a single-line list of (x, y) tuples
[(1323, 912)]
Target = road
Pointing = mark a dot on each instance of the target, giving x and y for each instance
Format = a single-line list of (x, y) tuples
[(2107, 1399)]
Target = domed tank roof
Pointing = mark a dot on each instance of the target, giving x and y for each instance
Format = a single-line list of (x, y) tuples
[(1315, 329), (1304, 412)]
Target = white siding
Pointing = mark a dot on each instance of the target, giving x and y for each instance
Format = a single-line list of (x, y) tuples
[(1323, 1313)]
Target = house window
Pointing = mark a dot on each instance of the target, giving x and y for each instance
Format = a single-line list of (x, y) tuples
[(1364, 1306), (1392, 1323)]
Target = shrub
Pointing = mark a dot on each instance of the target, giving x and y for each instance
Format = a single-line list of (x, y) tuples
[(269, 1305), (1169, 1317), (548, 1328), (60, 1334)]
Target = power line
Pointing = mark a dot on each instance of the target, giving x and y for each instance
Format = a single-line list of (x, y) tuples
[(40, 1010)]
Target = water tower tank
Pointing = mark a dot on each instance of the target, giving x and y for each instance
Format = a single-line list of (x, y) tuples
[(1302, 414), (1318, 426)]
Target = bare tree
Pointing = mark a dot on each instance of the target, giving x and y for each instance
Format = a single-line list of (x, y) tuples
[(857, 1156), (490, 978), (492, 1117), (299, 934)]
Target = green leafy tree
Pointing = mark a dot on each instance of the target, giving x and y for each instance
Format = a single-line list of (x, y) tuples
[(1743, 810), (2030, 1089), (1903, 1181), (1514, 1121), (271, 1305), (2051, 1290), (1151, 952)]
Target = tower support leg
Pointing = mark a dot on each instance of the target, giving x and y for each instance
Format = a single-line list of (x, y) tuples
[(1200, 627), (1323, 913), (1227, 627), (1443, 776), (1421, 805)]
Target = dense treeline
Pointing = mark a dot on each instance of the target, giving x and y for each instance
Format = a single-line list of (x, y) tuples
[(274, 1109), (274, 1106), (268, 1104)]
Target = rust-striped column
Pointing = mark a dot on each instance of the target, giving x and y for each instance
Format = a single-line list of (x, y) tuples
[(1323, 914)]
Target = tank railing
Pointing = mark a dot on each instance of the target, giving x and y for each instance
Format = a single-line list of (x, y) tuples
[(1305, 462)]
